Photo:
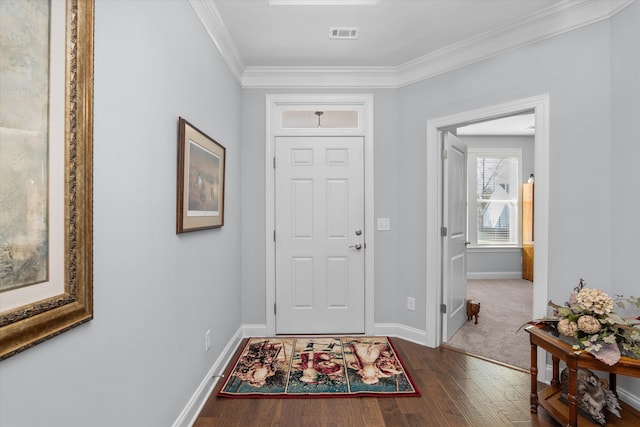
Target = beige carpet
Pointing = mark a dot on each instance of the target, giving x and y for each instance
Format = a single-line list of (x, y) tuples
[(504, 306)]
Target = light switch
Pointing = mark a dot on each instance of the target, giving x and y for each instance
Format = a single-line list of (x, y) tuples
[(384, 224)]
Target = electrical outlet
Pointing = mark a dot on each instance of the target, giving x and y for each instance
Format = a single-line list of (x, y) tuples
[(411, 303), (207, 340), (384, 224)]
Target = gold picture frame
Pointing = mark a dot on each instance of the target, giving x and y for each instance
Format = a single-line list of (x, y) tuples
[(201, 177), (39, 319)]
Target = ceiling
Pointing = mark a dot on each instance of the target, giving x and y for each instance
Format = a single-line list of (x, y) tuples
[(392, 32), (276, 43), (521, 124)]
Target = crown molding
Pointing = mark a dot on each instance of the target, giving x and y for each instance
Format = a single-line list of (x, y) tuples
[(320, 77), (210, 18), (563, 16)]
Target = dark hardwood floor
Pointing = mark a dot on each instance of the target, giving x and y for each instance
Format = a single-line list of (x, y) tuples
[(457, 390)]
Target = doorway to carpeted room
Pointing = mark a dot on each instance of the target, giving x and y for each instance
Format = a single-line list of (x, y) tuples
[(505, 306)]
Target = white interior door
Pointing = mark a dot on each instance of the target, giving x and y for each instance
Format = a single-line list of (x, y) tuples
[(320, 236), (454, 268)]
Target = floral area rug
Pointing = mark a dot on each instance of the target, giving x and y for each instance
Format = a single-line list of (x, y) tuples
[(318, 367)]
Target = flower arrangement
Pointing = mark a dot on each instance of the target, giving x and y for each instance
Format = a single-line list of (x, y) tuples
[(590, 319)]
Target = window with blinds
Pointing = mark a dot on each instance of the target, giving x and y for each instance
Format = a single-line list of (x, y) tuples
[(494, 197)]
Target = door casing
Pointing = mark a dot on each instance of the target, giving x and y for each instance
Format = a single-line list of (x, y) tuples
[(320, 101), (540, 106)]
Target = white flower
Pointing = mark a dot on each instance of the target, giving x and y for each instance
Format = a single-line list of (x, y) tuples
[(567, 328), (588, 324), (594, 300)]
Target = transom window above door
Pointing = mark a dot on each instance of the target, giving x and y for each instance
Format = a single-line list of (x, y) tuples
[(319, 118)]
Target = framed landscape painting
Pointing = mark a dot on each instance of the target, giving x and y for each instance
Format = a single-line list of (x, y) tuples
[(201, 171), (46, 171)]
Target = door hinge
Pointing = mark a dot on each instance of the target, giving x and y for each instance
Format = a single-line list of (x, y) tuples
[(274, 236), (444, 154), (274, 308), (443, 308), (274, 162), (443, 231)]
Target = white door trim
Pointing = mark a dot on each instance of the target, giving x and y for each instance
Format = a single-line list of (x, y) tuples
[(273, 102), (540, 104)]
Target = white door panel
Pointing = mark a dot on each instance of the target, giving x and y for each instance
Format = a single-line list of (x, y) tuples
[(319, 206), (454, 274)]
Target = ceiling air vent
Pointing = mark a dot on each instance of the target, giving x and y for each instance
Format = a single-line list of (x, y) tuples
[(344, 33)]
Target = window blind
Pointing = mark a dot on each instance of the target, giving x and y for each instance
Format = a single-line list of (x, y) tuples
[(496, 190)]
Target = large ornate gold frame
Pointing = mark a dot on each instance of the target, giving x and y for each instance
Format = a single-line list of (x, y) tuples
[(30, 324)]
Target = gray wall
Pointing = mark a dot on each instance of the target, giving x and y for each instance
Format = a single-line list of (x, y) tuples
[(499, 263), (142, 357), (625, 146), (386, 157), (494, 263), (574, 70)]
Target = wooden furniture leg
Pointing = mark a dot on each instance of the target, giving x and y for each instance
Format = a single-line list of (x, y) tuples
[(612, 382), (533, 399), (572, 393), (555, 380)]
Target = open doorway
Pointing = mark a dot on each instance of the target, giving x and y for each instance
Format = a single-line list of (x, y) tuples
[(539, 106), (500, 175)]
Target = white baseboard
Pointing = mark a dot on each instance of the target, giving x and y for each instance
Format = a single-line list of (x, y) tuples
[(487, 275), (387, 329), (190, 413), (628, 398), (254, 331), (401, 331)]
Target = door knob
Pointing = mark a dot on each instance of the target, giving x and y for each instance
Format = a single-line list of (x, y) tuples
[(358, 246), (358, 232)]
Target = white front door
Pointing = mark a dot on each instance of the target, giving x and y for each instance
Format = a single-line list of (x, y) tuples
[(454, 268), (320, 236)]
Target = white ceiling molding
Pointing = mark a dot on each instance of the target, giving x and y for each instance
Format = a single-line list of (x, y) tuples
[(564, 16), (320, 77), (221, 37)]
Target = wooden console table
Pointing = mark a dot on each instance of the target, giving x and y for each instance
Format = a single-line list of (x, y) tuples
[(539, 336)]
